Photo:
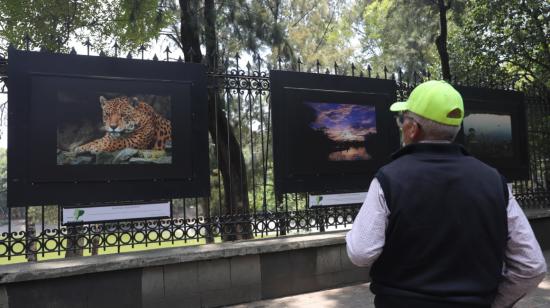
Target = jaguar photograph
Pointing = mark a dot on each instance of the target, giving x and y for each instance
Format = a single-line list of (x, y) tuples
[(118, 128)]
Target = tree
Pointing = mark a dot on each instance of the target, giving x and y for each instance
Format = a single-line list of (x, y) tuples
[(53, 24), (504, 42), (411, 35)]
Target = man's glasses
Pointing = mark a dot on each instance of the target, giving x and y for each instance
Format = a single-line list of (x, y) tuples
[(400, 119)]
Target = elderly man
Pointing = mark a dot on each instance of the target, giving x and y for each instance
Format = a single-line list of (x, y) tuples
[(440, 228)]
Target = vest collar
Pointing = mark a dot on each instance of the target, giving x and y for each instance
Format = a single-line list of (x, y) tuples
[(435, 148)]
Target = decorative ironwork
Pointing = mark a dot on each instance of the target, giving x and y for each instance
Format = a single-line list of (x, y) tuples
[(244, 98)]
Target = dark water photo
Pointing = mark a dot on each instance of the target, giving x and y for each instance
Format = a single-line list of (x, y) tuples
[(345, 129), (488, 135)]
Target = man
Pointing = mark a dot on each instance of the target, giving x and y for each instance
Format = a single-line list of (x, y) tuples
[(440, 228)]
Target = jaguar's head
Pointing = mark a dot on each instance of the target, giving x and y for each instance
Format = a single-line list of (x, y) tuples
[(120, 116)]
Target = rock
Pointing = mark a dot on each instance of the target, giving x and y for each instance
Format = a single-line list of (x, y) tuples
[(151, 154), (161, 160), (82, 160), (140, 161), (105, 158), (123, 156), (71, 158)]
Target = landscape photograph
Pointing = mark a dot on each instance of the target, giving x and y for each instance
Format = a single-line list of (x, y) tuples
[(343, 131), (488, 135)]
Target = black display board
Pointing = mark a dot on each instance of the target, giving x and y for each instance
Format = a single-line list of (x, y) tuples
[(494, 129), (330, 133), (88, 129)]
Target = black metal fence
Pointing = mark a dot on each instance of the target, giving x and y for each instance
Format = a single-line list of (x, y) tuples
[(242, 94)]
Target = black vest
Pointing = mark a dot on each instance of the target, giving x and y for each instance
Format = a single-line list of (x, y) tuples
[(447, 228)]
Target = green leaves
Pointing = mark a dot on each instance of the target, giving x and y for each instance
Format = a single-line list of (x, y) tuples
[(54, 23), (503, 41)]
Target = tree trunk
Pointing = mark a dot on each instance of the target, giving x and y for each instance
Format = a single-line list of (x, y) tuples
[(441, 40), (230, 159), (31, 245), (74, 242)]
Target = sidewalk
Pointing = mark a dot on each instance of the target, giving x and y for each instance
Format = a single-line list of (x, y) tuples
[(360, 296)]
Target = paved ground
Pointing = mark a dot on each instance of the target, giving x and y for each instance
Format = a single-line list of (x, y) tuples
[(360, 296)]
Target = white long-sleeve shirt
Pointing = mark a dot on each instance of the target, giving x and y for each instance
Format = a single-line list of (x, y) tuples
[(524, 264)]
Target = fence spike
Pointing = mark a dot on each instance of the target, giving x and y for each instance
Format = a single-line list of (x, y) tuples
[(88, 45), (352, 69), (335, 68), (116, 47), (327, 71), (361, 74), (226, 64), (299, 64), (73, 51), (167, 51), (279, 61), (102, 53), (248, 67), (385, 72), (27, 39), (129, 55), (155, 58), (142, 50), (369, 70), (318, 64), (259, 61), (400, 75), (180, 59)]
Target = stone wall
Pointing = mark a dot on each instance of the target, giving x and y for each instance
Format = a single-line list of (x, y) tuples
[(199, 276), (196, 276)]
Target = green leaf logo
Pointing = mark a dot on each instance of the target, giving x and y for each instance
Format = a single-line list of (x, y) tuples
[(319, 199), (78, 213)]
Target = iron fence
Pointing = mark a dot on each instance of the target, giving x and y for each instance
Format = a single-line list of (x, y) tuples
[(241, 94)]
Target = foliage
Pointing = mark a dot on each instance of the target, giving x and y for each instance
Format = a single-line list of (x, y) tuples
[(402, 34), (53, 24), (504, 42)]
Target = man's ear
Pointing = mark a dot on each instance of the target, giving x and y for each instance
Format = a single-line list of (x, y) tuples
[(415, 133)]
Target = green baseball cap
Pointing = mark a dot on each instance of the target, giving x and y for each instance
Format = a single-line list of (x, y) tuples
[(435, 100)]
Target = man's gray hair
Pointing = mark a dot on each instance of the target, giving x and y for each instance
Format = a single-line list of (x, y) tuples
[(434, 130)]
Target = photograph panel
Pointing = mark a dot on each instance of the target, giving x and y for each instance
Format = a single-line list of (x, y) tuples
[(343, 131), (488, 135), (113, 128)]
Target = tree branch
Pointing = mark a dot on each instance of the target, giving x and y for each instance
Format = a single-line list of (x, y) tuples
[(320, 42), (305, 14)]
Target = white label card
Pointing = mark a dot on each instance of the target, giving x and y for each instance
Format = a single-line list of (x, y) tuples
[(337, 199), (117, 212)]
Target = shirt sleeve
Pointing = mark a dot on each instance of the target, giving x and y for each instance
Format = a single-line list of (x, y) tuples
[(366, 239), (524, 264)]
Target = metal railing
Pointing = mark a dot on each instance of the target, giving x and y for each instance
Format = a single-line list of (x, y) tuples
[(242, 95)]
